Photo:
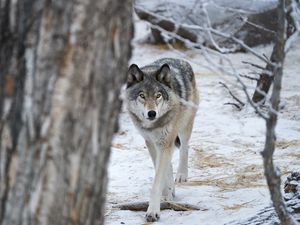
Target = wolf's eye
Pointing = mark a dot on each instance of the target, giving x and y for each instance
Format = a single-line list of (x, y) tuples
[(142, 95), (158, 96)]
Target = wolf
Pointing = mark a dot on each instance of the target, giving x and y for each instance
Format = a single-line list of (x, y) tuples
[(162, 101)]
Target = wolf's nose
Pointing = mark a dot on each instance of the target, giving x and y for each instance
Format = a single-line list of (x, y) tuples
[(151, 114)]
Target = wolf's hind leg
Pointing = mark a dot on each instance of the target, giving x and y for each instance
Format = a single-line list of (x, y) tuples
[(182, 171), (184, 135)]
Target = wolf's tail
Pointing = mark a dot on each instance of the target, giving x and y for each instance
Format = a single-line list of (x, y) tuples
[(177, 142)]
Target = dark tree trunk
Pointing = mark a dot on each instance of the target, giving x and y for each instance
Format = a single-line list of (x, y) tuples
[(62, 64), (266, 78), (271, 172)]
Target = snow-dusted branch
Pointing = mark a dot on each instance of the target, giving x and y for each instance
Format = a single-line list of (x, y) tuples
[(170, 25), (245, 20)]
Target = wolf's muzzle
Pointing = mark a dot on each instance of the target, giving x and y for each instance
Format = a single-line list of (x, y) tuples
[(151, 115)]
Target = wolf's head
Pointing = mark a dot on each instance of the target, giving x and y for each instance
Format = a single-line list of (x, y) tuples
[(149, 91)]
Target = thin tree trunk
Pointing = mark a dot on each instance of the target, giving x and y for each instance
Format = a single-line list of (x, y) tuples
[(271, 172), (62, 64)]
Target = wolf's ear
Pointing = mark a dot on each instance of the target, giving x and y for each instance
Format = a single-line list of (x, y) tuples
[(164, 75), (134, 75)]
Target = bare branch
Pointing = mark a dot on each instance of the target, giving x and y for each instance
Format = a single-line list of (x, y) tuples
[(254, 65), (245, 20), (206, 29), (232, 95), (236, 40), (248, 77)]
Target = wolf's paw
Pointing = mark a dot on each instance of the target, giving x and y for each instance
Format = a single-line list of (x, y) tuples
[(152, 216), (181, 177)]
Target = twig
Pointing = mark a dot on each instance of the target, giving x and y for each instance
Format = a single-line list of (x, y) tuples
[(143, 206), (232, 95), (245, 20), (267, 58), (248, 77), (254, 65)]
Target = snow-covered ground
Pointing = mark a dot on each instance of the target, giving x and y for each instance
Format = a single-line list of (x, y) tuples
[(225, 166)]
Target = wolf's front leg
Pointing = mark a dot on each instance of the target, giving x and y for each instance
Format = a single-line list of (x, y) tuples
[(169, 188), (164, 162)]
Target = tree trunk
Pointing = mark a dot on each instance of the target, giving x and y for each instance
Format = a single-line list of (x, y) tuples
[(271, 172), (266, 77), (265, 80), (62, 65)]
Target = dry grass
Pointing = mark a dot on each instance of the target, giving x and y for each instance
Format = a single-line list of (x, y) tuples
[(236, 206), (243, 176), (231, 182), (285, 143), (294, 154), (204, 160)]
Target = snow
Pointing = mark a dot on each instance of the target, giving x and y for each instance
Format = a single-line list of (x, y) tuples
[(225, 166)]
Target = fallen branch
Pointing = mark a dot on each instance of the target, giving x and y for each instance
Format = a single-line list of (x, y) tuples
[(143, 206)]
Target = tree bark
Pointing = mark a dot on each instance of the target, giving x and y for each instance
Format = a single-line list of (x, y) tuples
[(62, 65), (271, 172)]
